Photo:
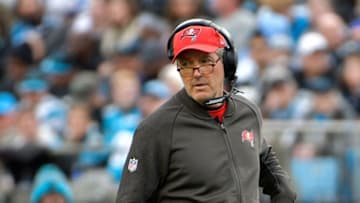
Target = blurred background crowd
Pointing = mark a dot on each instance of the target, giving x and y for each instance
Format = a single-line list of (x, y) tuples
[(77, 77)]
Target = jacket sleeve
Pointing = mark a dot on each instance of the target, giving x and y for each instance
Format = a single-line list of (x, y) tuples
[(273, 179), (149, 154)]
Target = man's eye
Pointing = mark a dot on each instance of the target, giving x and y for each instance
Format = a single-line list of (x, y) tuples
[(183, 63), (206, 61)]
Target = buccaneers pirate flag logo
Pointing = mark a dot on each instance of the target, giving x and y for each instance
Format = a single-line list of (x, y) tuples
[(191, 32), (248, 136)]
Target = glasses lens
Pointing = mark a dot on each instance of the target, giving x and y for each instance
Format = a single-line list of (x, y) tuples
[(187, 72), (204, 69)]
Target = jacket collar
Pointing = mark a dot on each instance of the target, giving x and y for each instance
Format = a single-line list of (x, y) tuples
[(197, 109)]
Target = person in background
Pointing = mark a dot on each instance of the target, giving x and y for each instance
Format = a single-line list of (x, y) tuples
[(18, 144), (29, 18), (253, 62), (349, 77), (8, 117), (334, 29), (314, 60), (122, 114), (120, 118), (155, 93), (282, 99), (59, 71), (328, 103), (51, 186), (122, 28), (171, 78), (49, 110), (18, 63), (179, 10), (234, 17), (83, 139)]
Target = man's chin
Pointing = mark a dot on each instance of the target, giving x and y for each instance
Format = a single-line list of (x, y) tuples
[(201, 98)]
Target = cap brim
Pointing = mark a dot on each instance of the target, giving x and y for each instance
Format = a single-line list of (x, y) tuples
[(199, 47)]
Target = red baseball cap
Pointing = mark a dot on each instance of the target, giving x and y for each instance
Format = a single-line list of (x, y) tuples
[(202, 38)]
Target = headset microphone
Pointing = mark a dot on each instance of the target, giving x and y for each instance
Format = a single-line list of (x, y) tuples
[(216, 100)]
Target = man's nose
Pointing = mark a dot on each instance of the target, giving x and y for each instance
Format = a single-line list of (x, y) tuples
[(196, 72)]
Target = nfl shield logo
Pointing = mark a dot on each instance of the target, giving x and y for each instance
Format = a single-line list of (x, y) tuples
[(132, 165)]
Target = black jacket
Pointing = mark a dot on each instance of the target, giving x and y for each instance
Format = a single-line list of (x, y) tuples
[(181, 154)]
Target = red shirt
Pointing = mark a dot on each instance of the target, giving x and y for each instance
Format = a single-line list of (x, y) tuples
[(218, 113)]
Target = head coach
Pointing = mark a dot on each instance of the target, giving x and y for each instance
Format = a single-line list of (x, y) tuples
[(204, 144)]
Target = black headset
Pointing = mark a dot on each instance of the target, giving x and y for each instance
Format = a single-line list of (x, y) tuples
[(229, 56)]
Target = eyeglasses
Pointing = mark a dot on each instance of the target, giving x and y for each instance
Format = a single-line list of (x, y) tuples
[(205, 68)]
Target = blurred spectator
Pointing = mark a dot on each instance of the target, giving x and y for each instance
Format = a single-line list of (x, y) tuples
[(155, 93), (122, 30), (24, 152), (253, 62), (5, 21), (58, 70), (122, 114), (98, 16), (84, 88), (57, 11), (30, 90), (314, 59), (171, 77), (38, 46), (318, 8), (83, 139), (354, 30), (327, 102), (280, 48), (60, 16), (153, 6), (7, 184), (121, 117), (8, 116), (29, 15), (345, 9), (128, 58), (19, 60), (178, 10), (19, 152), (33, 132), (349, 78), (282, 18), (49, 110), (120, 147), (152, 40), (83, 45), (281, 98), (51, 185), (333, 28), (83, 187), (146, 54), (233, 17), (274, 17)]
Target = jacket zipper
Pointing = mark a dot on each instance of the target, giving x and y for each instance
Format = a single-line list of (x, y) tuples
[(230, 153)]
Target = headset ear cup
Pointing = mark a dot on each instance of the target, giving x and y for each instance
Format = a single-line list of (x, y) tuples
[(170, 52), (230, 64)]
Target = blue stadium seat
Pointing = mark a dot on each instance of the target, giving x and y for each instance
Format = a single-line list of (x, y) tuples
[(316, 179)]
